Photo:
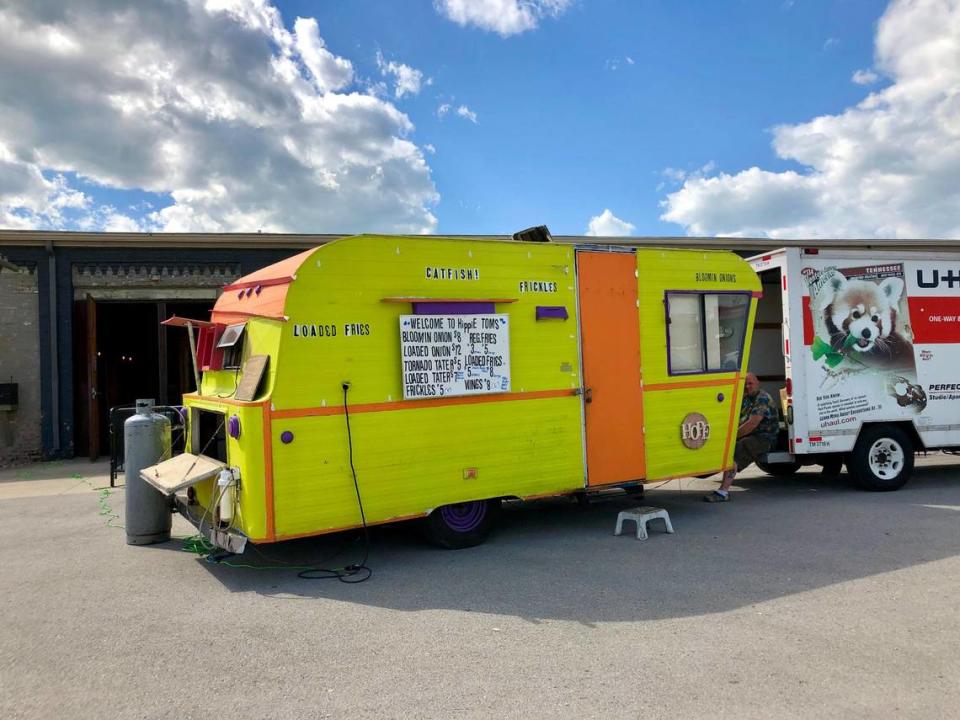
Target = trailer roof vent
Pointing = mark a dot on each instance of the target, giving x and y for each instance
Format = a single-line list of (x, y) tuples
[(538, 233)]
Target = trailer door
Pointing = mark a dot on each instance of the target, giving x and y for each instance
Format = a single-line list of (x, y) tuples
[(610, 339)]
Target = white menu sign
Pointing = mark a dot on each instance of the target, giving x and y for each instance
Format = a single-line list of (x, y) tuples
[(450, 355)]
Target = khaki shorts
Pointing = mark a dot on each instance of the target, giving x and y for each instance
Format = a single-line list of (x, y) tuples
[(748, 449)]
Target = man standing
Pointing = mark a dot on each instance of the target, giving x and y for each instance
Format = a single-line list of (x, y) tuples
[(755, 436)]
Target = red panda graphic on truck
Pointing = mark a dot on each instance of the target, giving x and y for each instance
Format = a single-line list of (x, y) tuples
[(863, 339), (862, 316)]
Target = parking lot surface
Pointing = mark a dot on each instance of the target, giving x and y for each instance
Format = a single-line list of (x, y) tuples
[(802, 597)]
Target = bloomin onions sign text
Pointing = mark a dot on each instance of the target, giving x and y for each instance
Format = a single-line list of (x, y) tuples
[(451, 355)]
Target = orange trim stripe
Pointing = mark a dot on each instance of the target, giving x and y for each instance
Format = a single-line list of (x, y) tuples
[(217, 400), (268, 471), (690, 384), (419, 404), (267, 282), (733, 415)]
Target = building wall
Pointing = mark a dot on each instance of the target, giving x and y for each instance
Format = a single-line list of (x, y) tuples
[(20, 429), (54, 270)]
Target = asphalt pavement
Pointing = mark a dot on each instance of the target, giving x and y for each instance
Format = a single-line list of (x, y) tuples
[(802, 597)]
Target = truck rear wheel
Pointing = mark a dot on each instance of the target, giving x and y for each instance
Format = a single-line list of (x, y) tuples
[(462, 525), (882, 459)]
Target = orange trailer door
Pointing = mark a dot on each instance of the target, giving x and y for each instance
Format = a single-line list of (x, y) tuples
[(610, 337)]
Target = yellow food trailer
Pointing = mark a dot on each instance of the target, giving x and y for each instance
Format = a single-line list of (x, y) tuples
[(418, 377)]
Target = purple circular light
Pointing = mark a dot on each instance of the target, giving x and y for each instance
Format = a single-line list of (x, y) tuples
[(233, 426), (464, 517), (240, 295), (286, 437), (258, 289), (249, 292)]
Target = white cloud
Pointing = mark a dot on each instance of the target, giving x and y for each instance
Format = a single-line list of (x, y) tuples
[(328, 71), (28, 199), (614, 63), (887, 167), (213, 103), (678, 175), (463, 111), (466, 113), (505, 17), (606, 224), (407, 79), (865, 77)]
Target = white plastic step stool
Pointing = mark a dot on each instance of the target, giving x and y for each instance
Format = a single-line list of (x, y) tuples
[(641, 516)]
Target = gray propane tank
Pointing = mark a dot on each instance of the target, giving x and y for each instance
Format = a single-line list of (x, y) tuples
[(146, 441)]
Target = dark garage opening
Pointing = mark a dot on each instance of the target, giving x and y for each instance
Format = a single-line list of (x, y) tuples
[(122, 353)]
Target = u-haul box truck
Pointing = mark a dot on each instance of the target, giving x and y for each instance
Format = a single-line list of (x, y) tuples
[(432, 377), (863, 346)]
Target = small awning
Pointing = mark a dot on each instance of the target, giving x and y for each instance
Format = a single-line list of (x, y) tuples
[(175, 321), (181, 471)]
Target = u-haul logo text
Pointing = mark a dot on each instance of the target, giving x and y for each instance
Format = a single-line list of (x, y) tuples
[(935, 278)]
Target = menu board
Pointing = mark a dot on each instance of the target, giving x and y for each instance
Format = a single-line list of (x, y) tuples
[(451, 355)]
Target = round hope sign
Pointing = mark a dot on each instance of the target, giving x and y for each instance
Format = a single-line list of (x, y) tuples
[(694, 430)]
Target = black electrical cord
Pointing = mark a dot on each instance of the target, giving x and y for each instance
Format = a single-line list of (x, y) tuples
[(236, 383), (357, 572)]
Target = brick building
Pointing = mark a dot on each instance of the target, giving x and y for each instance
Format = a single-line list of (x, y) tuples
[(80, 332)]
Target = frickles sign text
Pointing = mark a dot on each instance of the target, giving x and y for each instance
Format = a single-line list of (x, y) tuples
[(451, 355)]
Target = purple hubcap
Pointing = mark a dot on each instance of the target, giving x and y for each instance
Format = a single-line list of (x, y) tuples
[(464, 517)]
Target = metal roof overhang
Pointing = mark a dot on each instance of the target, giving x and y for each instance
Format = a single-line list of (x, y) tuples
[(295, 241)]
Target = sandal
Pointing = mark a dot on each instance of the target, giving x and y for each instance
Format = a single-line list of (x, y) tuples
[(715, 497)]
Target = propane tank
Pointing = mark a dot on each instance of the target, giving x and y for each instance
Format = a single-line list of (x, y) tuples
[(146, 441)]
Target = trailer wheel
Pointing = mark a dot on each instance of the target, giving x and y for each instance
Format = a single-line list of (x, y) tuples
[(882, 459), (462, 525)]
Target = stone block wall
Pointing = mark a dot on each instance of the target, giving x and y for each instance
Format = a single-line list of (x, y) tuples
[(20, 440)]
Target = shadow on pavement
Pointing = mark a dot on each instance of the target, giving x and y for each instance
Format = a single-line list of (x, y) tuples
[(553, 559)]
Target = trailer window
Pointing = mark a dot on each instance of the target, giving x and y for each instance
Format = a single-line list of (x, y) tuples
[(231, 344), (706, 331), (685, 333)]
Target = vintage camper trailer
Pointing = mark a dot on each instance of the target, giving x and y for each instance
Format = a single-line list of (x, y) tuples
[(433, 377)]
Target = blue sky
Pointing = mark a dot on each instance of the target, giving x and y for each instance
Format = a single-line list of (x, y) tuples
[(567, 126), (649, 117)]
